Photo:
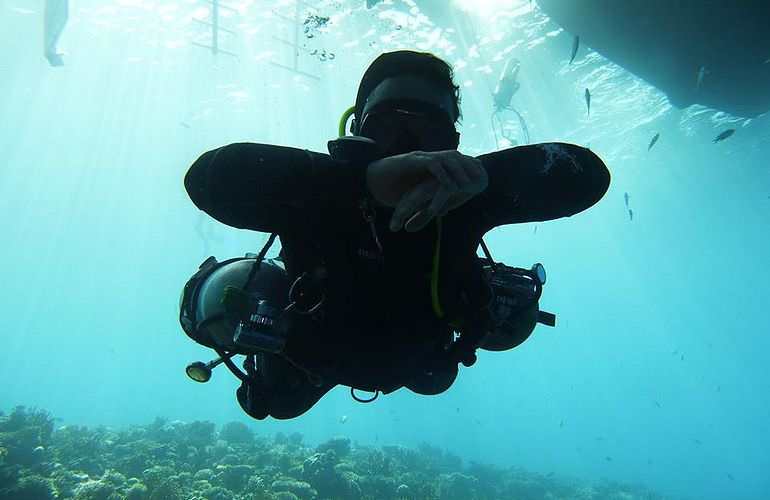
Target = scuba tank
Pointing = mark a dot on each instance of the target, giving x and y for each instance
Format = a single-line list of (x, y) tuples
[(514, 306), (239, 305)]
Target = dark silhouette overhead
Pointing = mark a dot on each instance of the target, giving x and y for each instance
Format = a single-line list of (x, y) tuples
[(709, 52)]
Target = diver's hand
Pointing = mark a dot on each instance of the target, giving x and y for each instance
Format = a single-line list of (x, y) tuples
[(423, 184)]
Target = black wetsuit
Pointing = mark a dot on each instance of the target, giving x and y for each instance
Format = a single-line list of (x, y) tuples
[(379, 321)]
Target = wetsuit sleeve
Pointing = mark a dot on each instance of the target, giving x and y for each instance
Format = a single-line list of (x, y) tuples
[(268, 188), (540, 182)]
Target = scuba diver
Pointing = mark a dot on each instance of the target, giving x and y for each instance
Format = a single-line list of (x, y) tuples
[(378, 285), (507, 85)]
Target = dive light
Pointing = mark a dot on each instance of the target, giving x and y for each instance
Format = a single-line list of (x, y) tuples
[(200, 371)]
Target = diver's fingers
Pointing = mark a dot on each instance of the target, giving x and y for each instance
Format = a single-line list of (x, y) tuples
[(438, 169), (474, 168), (458, 171), (480, 178), (411, 201), (417, 222), (424, 216), (439, 200)]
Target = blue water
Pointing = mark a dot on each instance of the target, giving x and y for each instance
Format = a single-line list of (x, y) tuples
[(656, 373)]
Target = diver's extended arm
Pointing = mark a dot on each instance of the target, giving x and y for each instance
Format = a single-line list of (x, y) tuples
[(540, 182), (265, 187)]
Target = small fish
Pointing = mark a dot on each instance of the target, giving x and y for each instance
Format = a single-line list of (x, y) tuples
[(535, 231), (630, 214), (625, 197), (185, 125), (550, 474), (675, 352), (730, 476), (587, 94), (649, 462), (719, 388), (609, 459), (478, 422), (575, 47), (561, 424), (343, 419), (697, 441), (457, 410), (657, 404), (681, 358), (653, 141), (724, 135), (599, 438)]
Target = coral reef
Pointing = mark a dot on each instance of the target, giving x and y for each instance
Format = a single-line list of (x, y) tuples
[(195, 461)]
